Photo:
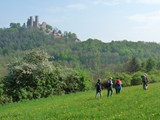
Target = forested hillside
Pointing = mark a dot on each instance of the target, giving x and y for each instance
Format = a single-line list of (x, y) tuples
[(94, 56)]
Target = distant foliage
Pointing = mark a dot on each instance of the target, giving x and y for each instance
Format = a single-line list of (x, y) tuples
[(92, 55), (134, 65)]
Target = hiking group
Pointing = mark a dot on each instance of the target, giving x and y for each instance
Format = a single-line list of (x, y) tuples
[(118, 85), (109, 85)]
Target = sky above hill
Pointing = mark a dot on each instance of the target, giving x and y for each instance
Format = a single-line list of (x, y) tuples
[(106, 20)]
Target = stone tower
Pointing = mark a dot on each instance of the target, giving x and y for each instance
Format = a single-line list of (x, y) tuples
[(43, 26), (36, 22), (30, 22)]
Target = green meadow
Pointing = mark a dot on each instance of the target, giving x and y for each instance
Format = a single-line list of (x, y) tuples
[(133, 103)]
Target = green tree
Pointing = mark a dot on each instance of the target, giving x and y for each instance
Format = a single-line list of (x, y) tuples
[(30, 77), (49, 27), (134, 65), (15, 25), (150, 64)]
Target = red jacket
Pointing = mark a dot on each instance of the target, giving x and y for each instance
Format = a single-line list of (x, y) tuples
[(118, 82)]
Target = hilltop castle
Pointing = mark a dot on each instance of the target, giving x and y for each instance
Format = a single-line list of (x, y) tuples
[(36, 24)]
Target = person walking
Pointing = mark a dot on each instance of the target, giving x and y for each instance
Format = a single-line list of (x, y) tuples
[(98, 88), (144, 81), (118, 86), (110, 87)]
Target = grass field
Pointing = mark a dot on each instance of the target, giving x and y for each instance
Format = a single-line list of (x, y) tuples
[(132, 104)]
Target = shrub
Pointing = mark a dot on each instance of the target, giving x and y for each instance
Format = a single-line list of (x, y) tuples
[(125, 78), (35, 77), (136, 78)]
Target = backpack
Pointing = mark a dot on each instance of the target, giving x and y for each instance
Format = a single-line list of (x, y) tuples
[(108, 83), (98, 86), (118, 82), (143, 79)]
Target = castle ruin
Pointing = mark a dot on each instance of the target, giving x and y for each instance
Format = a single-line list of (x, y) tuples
[(36, 24)]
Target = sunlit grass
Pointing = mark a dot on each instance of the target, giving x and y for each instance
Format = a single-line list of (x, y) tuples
[(133, 103)]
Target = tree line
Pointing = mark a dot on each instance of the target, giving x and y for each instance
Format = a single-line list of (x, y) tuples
[(92, 55)]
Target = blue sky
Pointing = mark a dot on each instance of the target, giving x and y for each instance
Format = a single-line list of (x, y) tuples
[(106, 20)]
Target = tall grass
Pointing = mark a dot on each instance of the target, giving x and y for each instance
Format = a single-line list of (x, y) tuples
[(133, 103)]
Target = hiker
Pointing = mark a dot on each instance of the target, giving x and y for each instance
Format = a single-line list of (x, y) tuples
[(145, 81), (98, 88), (118, 86), (109, 87)]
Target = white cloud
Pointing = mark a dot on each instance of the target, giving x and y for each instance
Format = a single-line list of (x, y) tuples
[(107, 2), (137, 18), (147, 17), (149, 2), (117, 2), (146, 26), (77, 6), (54, 10), (111, 2)]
